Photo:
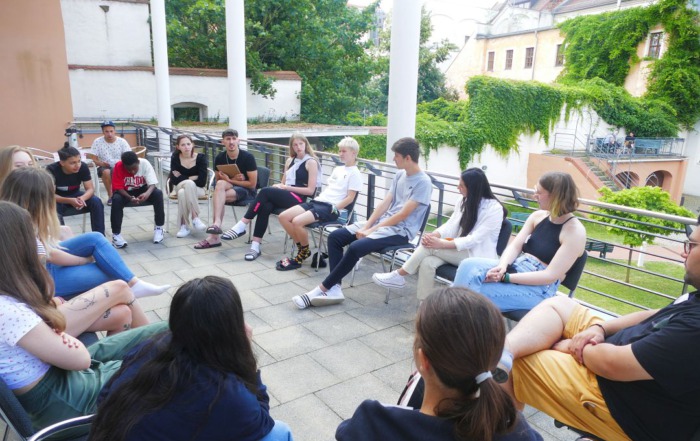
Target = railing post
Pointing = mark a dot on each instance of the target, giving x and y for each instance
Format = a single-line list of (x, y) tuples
[(370, 194)]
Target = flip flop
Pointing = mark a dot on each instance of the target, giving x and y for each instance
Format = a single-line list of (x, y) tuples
[(231, 234), (205, 245), (251, 255), (214, 229), (287, 264)]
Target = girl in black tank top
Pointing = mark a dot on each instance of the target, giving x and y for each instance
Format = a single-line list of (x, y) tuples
[(543, 242)]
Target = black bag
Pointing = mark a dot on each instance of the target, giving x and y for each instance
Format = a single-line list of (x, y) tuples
[(322, 263)]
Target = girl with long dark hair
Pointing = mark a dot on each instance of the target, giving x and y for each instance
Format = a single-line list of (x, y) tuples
[(198, 381), (458, 342), (471, 231)]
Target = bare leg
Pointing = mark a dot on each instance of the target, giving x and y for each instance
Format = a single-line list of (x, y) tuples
[(107, 181), (299, 224), (223, 193), (541, 327), (91, 311), (286, 218)]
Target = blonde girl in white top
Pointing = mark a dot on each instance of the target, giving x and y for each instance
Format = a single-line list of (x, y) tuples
[(471, 231)]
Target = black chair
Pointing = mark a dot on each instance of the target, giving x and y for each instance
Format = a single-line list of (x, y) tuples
[(389, 253), (446, 273), (570, 281), (347, 217), (263, 181), (18, 421)]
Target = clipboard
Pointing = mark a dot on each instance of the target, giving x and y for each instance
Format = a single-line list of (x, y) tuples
[(230, 170)]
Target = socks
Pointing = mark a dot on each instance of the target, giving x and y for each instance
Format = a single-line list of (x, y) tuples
[(506, 360), (240, 227), (145, 289), (255, 246), (303, 253)]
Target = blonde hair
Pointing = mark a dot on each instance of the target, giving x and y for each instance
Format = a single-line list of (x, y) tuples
[(33, 189), (350, 143), (563, 192), (6, 159), (309, 150)]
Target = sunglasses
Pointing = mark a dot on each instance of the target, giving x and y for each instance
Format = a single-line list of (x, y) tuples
[(688, 246)]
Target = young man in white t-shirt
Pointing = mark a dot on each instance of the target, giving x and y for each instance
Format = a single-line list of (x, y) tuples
[(108, 150), (134, 183), (343, 186)]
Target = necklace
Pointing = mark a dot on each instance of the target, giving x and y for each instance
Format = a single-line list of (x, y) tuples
[(227, 159)]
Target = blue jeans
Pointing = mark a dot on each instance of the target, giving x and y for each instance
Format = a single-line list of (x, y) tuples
[(108, 265), (507, 296), (280, 432)]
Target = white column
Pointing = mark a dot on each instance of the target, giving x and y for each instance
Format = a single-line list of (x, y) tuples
[(235, 56), (403, 71), (160, 61)]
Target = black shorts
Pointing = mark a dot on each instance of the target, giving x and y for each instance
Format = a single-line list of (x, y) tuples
[(242, 193), (322, 211), (101, 169)]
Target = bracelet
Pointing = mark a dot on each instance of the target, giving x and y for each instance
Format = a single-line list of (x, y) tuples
[(605, 334), (505, 278)]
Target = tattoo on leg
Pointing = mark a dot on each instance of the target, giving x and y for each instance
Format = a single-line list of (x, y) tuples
[(82, 302), (127, 326), (107, 313), (106, 291)]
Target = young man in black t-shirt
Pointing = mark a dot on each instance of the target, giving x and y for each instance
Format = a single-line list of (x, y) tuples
[(230, 189), (632, 377), (69, 173)]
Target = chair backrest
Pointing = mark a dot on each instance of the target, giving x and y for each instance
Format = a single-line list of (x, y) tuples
[(139, 150), (574, 274), (12, 412), (263, 177), (423, 224), (504, 236), (347, 215)]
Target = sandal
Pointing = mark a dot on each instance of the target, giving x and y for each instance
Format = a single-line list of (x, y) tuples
[(214, 229), (287, 264), (252, 255), (205, 245), (231, 234)]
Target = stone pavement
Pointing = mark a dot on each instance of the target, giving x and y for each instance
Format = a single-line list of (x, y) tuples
[(318, 364)]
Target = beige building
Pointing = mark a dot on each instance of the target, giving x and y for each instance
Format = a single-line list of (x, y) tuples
[(520, 41)]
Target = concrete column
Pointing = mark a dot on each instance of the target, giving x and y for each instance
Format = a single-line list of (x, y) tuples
[(235, 56), (403, 71), (162, 72)]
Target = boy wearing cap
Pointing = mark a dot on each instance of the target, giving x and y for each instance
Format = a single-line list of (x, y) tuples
[(108, 149)]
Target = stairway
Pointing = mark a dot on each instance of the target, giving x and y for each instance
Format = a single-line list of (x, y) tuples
[(604, 177)]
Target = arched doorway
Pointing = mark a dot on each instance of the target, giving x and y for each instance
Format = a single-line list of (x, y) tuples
[(628, 179), (659, 178), (189, 112)]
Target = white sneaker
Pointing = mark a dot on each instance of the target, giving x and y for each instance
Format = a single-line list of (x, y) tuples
[(118, 241), (158, 234), (389, 280), (304, 301), (198, 224), (332, 297), (184, 231)]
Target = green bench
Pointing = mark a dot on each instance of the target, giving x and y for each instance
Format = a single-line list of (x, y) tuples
[(603, 248)]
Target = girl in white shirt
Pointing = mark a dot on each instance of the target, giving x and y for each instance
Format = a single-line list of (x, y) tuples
[(52, 374), (471, 231)]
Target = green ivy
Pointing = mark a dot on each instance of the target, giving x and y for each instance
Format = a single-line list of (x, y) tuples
[(604, 46)]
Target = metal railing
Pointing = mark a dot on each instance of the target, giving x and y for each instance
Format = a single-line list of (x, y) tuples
[(641, 148), (611, 282)]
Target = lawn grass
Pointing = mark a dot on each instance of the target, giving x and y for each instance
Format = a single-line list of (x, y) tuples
[(615, 289)]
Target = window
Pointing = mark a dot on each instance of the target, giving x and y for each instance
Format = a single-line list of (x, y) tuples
[(655, 44), (489, 64), (529, 57), (559, 61), (509, 59)]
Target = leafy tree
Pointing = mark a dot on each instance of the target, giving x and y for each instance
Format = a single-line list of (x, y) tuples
[(637, 229), (322, 40), (431, 80)]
